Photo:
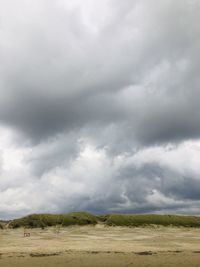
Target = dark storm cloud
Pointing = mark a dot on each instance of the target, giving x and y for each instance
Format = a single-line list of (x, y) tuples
[(84, 84), (55, 69)]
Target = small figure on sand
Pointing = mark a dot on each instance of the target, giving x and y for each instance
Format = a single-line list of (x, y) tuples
[(26, 232)]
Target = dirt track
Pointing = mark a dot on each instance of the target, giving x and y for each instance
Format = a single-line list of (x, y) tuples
[(101, 246)]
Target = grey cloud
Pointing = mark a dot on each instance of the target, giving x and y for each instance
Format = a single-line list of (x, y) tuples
[(57, 82), (119, 76), (183, 188), (93, 180)]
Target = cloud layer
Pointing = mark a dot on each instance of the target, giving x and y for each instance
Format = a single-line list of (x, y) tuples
[(99, 106)]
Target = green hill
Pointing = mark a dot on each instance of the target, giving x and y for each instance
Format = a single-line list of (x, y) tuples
[(85, 218), (44, 220), (148, 219)]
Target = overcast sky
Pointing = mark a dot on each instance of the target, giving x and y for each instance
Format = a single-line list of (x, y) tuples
[(99, 106)]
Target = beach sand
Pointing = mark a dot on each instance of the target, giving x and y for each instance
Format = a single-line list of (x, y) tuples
[(100, 246)]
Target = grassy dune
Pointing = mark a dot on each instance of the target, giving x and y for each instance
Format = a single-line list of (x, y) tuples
[(148, 219), (85, 218), (44, 220)]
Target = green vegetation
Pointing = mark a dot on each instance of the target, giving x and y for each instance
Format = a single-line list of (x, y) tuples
[(80, 218), (148, 219), (34, 220), (44, 220), (85, 218)]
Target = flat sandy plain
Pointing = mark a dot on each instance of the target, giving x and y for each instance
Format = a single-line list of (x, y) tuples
[(101, 246)]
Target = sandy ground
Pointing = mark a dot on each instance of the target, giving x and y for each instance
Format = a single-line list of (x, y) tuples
[(101, 246)]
